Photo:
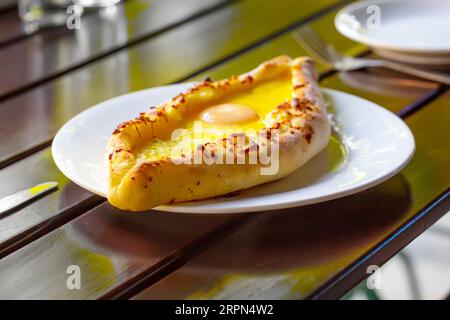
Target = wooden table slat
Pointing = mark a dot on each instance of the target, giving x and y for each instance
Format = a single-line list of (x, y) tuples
[(110, 248), (21, 226), (53, 53), (287, 253), (48, 54), (384, 250), (10, 27), (8, 5)]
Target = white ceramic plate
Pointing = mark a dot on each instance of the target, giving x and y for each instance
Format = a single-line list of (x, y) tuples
[(408, 26), (378, 144), (426, 60)]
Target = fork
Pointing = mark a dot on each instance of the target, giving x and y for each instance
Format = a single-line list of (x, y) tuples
[(327, 54)]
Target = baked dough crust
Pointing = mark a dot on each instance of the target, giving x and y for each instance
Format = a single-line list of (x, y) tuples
[(138, 184)]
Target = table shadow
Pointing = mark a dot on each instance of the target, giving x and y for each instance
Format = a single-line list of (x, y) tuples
[(272, 241)]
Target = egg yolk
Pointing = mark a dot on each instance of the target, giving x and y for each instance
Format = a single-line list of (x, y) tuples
[(229, 113)]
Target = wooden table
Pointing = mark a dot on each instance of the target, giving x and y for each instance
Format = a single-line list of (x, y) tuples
[(317, 251)]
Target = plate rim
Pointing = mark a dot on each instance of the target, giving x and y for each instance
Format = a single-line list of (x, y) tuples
[(356, 36), (60, 165), (179, 208)]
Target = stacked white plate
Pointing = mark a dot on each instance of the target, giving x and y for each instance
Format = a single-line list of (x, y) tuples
[(409, 31)]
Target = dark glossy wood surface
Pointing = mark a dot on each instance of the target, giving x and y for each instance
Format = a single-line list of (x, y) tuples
[(59, 102), (47, 54), (111, 248), (287, 254), (322, 239), (223, 32), (8, 5), (316, 251), (20, 226), (11, 26)]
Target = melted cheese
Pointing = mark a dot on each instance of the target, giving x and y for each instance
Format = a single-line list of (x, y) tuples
[(234, 113)]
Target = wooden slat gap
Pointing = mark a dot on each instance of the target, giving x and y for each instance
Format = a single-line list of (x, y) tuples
[(97, 57), (39, 31), (353, 274), (423, 101), (22, 239), (179, 258), (267, 39)]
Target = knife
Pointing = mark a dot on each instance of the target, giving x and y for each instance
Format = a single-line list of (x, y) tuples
[(20, 198)]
